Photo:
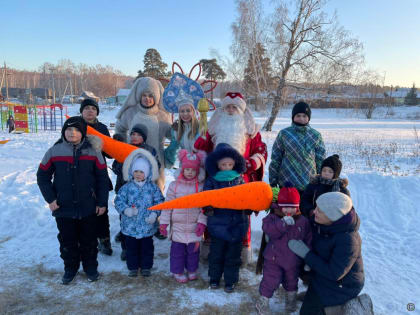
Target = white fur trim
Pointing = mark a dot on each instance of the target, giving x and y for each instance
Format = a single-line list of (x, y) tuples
[(95, 142), (146, 154), (237, 101)]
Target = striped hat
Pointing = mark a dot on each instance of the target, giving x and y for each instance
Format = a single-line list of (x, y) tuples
[(288, 197)]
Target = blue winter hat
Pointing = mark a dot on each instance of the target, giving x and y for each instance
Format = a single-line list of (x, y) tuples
[(224, 150)]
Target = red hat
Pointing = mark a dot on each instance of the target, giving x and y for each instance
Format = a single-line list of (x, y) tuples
[(191, 160), (288, 197), (234, 98)]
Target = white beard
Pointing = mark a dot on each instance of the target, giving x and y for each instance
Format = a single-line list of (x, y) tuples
[(230, 129)]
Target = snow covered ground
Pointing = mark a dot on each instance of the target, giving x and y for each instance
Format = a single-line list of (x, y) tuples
[(381, 159)]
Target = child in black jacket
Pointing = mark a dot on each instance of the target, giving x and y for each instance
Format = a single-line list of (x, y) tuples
[(74, 182)]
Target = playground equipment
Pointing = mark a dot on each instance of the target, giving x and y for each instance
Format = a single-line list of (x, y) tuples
[(31, 118)]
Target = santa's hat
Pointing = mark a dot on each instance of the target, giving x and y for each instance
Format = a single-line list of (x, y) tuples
[(288, 196), (234, 98)]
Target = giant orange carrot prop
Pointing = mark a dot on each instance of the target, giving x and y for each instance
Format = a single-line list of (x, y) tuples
[(256, 196), (118, 150), (4, 141)]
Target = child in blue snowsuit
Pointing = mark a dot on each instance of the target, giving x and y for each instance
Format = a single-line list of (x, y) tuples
[(134, 198)]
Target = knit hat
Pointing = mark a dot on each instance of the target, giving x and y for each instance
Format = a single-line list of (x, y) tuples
[(189, 160), (77, 122), (334, 163), (141, 164), (334, 204), (87, 102), (288, 196), (236, 99), (140, 129), (301, 108)]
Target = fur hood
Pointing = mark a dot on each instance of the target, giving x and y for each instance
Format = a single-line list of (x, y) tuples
[(315, 179), (134, 97), (224, 150), (154, 171)]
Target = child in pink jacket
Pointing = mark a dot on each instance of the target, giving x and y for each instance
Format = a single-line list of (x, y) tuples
[(186, 225)]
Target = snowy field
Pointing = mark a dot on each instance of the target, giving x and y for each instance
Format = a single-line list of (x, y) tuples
[(381, 159)]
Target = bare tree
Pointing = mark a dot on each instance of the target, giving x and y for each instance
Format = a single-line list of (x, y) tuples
[(304, 38), (250, 30)]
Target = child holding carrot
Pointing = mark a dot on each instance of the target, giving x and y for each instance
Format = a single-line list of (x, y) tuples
[(227, 227), (138, 224), (281, 265), (186, 225)]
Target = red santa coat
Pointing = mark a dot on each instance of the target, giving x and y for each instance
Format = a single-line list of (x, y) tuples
[(255, 155)]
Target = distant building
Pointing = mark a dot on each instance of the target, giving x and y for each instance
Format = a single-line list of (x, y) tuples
[(121, 95), (88, 94)]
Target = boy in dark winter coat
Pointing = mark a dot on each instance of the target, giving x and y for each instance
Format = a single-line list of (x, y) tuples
[(335, 259), (89, 109), (227, 227), (298, 151), (329, 180), (73, 180), (281, 265)]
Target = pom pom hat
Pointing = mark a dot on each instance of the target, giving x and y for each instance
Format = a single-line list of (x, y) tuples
[(235, 99), (288, 196), (334, 163)]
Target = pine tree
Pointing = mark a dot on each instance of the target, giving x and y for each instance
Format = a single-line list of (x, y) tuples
[(154, 67), (212, 71), (411, 97), (258, 73)]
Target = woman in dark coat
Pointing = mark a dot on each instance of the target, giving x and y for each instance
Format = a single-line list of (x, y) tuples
[(335, 259)]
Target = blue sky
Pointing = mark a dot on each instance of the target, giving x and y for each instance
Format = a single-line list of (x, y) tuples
[(118, 33)]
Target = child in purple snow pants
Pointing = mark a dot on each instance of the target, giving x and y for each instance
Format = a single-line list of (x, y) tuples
[(281, 265), (186, 225)]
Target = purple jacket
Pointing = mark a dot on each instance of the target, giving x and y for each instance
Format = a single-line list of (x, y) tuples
[(280, 233)]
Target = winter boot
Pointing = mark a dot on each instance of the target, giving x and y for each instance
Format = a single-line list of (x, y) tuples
[(123, 255), (68, 277), (263, 305), (146, 272), (229, 288), (180, 278), (246, 256), (92, 276), (132, 273), (214, 285), (290, 301), (105, 246), (192, 276)]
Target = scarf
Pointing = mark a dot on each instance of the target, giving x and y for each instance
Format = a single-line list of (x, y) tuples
[(335, 183), (226, 176)]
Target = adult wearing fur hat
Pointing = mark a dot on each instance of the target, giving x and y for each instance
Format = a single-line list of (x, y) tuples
[(89, 110), (335, 259), (144, 106), (233, 124)]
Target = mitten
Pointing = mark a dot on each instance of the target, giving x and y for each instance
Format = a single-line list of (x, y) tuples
[(267, 238), (151, 218), (298, 247), (307, 268), (129, 212), (289, 220), (163, 229), (199, 230), (208, 211)]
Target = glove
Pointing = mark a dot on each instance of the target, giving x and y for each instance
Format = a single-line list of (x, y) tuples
[(163, 229), (298, 247), (129, 212), (151, 218), (289, 220), (199, 230), (208, 211)]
